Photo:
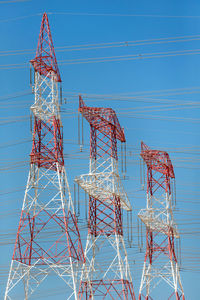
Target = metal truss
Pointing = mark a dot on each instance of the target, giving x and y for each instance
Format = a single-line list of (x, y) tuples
[(48, 239), (109, 278), (160, 264)]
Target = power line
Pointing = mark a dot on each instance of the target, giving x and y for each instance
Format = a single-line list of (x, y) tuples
[(139, 56), (121, 15), (105, 45)]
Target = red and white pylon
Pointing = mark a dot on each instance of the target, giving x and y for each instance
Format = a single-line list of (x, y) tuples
[(48, 238), (106, 257), (160, 264)]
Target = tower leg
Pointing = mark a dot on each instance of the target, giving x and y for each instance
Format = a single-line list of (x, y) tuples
[(112, 282), (29, 277)]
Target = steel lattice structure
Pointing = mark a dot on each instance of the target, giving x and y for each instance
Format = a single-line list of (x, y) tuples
[(48, 238), (110, 278), (160, 264)]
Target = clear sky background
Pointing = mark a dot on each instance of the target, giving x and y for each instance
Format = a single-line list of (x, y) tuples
[(143, 61)]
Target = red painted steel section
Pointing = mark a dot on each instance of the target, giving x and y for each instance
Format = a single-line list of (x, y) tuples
[(105, 218), (45, 59), (102, 119), (115, 289), (157, 160), (29, 249), (159, 172), (47, 147)]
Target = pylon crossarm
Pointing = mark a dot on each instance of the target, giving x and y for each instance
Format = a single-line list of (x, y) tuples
[(156, 220), (46, 98), (157, 160), (102, 118), (100, 186)]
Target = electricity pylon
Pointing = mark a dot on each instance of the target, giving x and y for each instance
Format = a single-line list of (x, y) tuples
[(160, 263), (48, 238), (106, 257)]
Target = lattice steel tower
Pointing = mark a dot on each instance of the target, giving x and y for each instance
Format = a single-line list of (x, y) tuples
[(48, 238), (160, 264), (106, 256)]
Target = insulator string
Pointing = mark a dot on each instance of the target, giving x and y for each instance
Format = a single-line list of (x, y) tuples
[(86, 208), (33, 85), (138, 233), (60, 93), (130, 239), (143, 175), (131, 226), (79, 129), (141, 172), (30, 75), (122, 163), (125, 158), (75, 198), (174, 192), (82, 137), (82, 132), (141, 234), (78, 214), (128, 224), (31, 123), (180, 260)]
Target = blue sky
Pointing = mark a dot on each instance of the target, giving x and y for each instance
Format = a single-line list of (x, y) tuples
[(152, 82)]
